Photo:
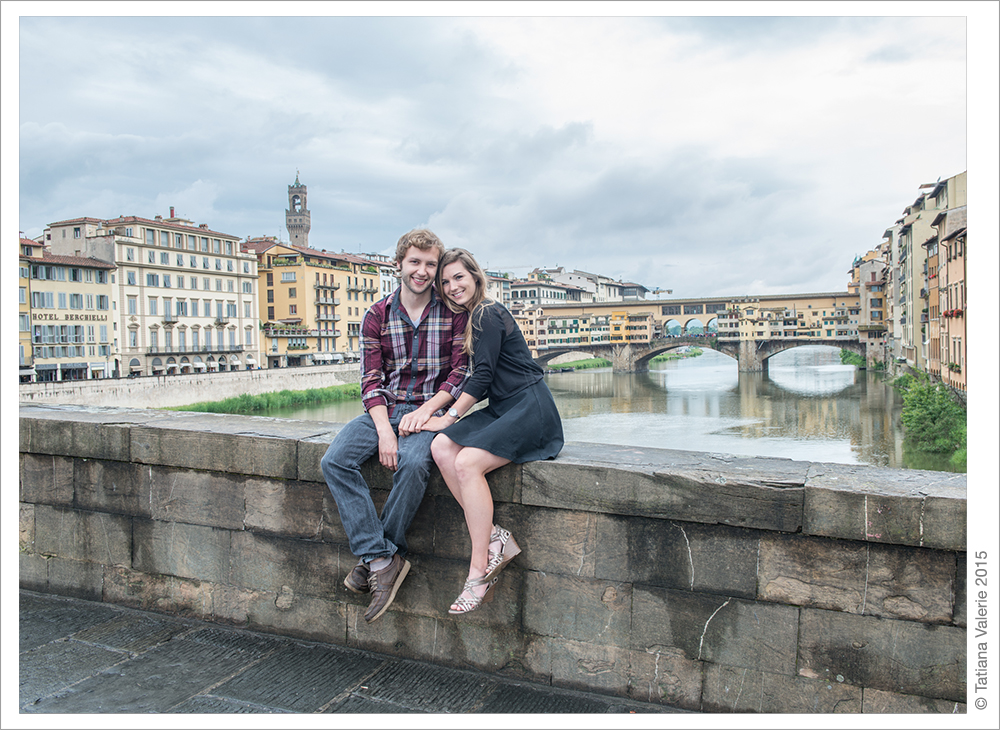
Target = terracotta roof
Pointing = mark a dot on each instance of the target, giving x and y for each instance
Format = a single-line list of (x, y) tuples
[(51, 258), (122, 220), (30, 242)]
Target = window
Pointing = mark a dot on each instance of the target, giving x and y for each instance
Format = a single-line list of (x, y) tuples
[(193, 262), (216, 245), (165, 258), (194, 282), (206, 284), (180, 259), (246, 267), (132, 306), (204, 262), (153, 338), (102, 277), (178, 240), (229, 285), (218, 285), (23, 295), (229, 265), (292, 309), (152, 306), (150, 237), (270, 295), (133, 338), (151, 257), (246, 310), (130, 278), (166, 281), (229, 248), (248, 287), (62, 300), (182, 308), (76, 232), (194, 307), (270, 313), (286, 276), (231, 309), (164, 239), (204, 245), (192, 243), (42, 300), (291, 293), (218, 264), (103, 332), (180, 282)]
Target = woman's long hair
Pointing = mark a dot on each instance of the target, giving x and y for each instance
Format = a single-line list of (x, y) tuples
[(477, 302)]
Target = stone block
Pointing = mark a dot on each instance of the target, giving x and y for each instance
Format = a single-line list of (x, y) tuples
[(666, 679), (118, 487), (687, 556), (580, 664), (899, 506), (567, 542), (878, 701), (310, 453), (419, 537), (456, 643), (88, 536), (33, 572), (863, 578), (159, 593), (176, 549), (76, 578), (284, 507), (738, 689), (904, 657), (215, 451), (215, 499), (433, 583), (74, 432), (26, 528), (682, 485), (961, 591), (301, 616), (588, 610), (304, 567), (46, 479), (716, 629)]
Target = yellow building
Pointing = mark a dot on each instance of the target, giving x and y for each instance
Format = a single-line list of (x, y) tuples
[(71, 317), (312, 302), (28, 251)]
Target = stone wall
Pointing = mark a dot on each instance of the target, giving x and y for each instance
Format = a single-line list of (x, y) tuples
[(707, 582), (169, 391)]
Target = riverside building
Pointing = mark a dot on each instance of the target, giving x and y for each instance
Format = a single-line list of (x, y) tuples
[(183, 296)]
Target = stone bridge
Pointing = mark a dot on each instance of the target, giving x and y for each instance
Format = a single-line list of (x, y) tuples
[(707, 582), (752, 355)]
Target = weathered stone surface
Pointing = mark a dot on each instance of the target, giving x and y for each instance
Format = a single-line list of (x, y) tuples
[(899, 506), (68, 431), (579, 664), (214, 451), (665, 678), (715, 628), (707, 559), (878, 701), (33, 572), (197, 497), (113, 486), (738, 689), (562, 541), (302, 616), (185, 551), (896, 656), (433, 584), (594, 611), (284, 507), (872, 579), (162, 593), (90, 536), (961, 591), (690, 486), (75, 578), (271, 563), (46, 479), (26, 528)]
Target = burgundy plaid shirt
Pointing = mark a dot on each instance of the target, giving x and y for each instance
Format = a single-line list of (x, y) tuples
[(400, 364)]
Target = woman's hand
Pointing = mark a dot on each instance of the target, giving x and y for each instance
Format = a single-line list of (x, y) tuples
[(438, 423)]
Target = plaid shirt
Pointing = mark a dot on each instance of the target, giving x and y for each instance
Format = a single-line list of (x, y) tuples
[(400, 365)]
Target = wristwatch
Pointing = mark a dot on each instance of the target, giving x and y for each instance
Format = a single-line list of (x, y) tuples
[(453, 413)]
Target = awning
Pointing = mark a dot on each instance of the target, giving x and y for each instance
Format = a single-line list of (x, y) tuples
[(213, 366), (250, 360), (135, 368), (172, 366), (200, 365)]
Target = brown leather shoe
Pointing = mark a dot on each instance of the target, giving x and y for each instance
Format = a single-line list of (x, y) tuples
[(383, 585), (357, 580)]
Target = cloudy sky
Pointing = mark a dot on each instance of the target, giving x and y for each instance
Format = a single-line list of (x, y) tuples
[(706, 155)]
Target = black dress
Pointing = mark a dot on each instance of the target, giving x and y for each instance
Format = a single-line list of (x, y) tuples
[(520, 422)]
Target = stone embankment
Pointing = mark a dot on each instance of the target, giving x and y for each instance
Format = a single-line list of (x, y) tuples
[(703, 581)]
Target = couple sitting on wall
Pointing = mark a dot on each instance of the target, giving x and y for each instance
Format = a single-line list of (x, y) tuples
[(430, 351)]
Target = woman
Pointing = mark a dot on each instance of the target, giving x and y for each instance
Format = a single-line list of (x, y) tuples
[(519, 424)]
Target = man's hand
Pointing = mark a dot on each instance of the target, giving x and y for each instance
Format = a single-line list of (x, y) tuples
[(414, 421), (388, 449)]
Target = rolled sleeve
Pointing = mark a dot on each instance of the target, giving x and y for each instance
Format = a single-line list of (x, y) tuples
[(372, 392)]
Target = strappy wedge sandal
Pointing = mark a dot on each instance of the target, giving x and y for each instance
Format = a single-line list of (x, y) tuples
[(509, 550), (467, 605)]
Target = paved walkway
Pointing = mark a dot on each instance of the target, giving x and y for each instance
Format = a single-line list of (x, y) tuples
[(85, 657)]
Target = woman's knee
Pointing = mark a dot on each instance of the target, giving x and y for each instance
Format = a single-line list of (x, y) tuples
[(443, 449)]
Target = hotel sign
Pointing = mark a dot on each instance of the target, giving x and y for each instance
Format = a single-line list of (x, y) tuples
[(46, 317)]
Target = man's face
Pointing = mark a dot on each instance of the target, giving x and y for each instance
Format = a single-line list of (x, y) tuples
[(418, 268)]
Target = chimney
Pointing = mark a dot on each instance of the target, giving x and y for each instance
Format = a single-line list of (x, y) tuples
[(171, 211)]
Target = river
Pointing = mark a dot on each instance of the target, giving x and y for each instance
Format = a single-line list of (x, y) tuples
[(808, 406)]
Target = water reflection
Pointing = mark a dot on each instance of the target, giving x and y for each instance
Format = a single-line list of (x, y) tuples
[(808, 406)]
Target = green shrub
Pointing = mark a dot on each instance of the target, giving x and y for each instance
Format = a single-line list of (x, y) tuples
[(246, 403)]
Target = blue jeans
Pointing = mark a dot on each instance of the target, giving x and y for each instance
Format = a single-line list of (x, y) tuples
[(369, 534)]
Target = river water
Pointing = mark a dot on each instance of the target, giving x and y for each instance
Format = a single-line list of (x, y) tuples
[(808, 407)]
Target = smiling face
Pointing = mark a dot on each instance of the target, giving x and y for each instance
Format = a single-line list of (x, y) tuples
[(458, 285), (417, 269)]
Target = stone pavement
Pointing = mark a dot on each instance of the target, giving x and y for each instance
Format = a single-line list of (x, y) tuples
[(84, 657)]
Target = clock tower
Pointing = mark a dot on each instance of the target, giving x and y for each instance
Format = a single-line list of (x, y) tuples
[(297, 215)]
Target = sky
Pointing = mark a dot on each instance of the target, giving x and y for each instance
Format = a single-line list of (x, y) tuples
[(703, 155)]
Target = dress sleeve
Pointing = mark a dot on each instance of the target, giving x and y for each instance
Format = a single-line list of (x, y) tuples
[(487, 339)]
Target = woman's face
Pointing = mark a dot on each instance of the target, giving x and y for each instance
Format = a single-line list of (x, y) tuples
[(457, 284)]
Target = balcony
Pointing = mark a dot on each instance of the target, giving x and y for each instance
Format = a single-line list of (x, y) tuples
[(326, 285), (221, 321), (185, 349), (328, 317), (170, 318)]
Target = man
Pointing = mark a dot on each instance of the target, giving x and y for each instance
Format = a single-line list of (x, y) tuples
[(412, 367)]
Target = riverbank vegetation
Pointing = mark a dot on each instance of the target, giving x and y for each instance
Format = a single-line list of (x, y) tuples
[(689, 352), (933, 421), (593, 362), (247, 403), (852, 358)]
